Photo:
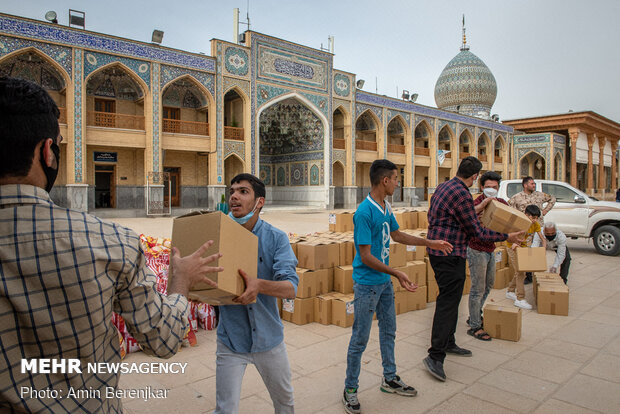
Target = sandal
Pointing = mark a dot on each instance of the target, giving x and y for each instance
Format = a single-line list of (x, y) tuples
[(483, 336)]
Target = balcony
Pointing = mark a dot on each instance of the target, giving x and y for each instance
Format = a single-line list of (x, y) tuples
[(185, 127), (482, 157), (62, 118), (365, 145), (464, 154), (114, 120), (233, 133), (498, 160), (339, 143), (396, 148), (421, 151)]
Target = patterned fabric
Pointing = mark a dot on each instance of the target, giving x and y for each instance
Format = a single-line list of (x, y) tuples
[(63, 274), (451, 217), (476, 243), (521, 200)]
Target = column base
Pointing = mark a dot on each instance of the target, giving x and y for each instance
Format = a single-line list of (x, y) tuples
[(350, 197), (329, 203), (411, 197), (214, 195), (77, 197)]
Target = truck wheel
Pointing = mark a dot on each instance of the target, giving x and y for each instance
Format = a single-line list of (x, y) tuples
[(607, 240)]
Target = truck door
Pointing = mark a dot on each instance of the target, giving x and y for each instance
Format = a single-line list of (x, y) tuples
[(570, 216)]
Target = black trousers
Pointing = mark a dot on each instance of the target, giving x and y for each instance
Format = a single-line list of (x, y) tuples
[(565, 266), (450, 277)]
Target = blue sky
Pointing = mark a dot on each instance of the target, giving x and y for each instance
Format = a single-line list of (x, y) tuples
[(547, 56)]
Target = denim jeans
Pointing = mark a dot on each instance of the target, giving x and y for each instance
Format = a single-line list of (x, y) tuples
[(368, 300), (482, 272), (273, 367)]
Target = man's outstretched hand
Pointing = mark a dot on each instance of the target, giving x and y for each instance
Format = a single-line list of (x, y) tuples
[(187, 271)]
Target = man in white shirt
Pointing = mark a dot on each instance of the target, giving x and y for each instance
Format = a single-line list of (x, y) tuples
[(556, 240)]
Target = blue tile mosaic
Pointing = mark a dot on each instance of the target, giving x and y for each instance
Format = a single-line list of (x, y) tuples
[(94, 61), (59, 54), (265, 174), (314, 175), (171, 73), (361, 108), (281, 177), (82, 39), (234, 147), (236, 61), (299, 174), (156, 92), (78, 80), (342, 85)]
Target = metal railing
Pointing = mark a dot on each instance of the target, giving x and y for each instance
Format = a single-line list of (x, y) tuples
[(365, 145), (396, 148), (339, 143), (233, 133), (185, 127), (114, 120)]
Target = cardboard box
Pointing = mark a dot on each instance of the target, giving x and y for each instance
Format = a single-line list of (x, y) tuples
[(531, 259), (467, 285), (398, 255), (318, 254), (239, 248), (430, 273), (503, 322), (324, 280), (307, 286), (422, 219), (415, 253), (402, 218), (343, 279), (347, 252), (544, 277), (341, 221), (501, 258), (552, 299), (504, 219), (400, 302), (396, 283), (502, 278), (417, 272), (343, 312), (330, 279), (298, 311), (294, 247), (416, 300), (413, 219), (323, 309)]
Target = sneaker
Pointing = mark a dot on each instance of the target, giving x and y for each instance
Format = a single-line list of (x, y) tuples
[(457, 350), (397, 386), (522, 304), (435, 368), (350, 401), (511, 295)]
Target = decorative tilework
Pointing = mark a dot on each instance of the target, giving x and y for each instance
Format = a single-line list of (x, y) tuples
[(94, 61), (314, 175), (266, 93), (483, 130), (299, 174), (156, 92), (443, 122), (392, 114), (531, 138), (219, 103), (372, 99), (281, 176), (265, 174), (60, 54), (241, 84), (559, 139), (170, 73), (78, 80), (462, 128), (236, 61), (342, 85), (340, 155), (234, 147), (428, 119), (321, 102), (81, 39), (336, 103), (361, 108)]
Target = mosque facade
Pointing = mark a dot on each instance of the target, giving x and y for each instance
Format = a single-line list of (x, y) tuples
[(149, 128)]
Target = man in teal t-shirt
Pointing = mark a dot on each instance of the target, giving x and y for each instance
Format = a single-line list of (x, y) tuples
[(374, 225)]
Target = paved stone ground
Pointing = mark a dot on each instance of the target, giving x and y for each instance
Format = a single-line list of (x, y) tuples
[(562, 364)]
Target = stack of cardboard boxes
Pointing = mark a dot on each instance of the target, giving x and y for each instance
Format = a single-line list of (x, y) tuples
[(551, 294), (503, 270)]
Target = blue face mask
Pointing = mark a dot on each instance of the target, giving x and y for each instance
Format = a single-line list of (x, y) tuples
[(246, 218)]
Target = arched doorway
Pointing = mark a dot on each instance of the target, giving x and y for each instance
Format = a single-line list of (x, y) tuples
[(465, 142), (498, 153), (396, 152), (483, 142), (367, 130), (444, 165), (234, 115), (291, 152), (421, 142), (533, 165), (185, 108), (232, 167), (338, 181), (338, 130)]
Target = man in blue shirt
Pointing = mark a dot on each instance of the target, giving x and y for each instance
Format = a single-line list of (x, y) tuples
[(252, 333), (374, 224)]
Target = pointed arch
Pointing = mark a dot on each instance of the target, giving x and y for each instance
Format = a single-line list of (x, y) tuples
[(203, 89), (373, 116), (125, 68), (403, 122), (485, 140), (338, 173), (449, 143), (244, 97), (345, 112), (65, 75)]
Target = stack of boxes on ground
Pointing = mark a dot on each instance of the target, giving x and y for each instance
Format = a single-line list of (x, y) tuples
[(551, 294)]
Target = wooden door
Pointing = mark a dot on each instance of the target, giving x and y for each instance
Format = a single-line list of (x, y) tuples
[(104, 113), (172, 188)]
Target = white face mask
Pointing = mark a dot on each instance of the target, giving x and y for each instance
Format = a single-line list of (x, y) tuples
[(490, 192)]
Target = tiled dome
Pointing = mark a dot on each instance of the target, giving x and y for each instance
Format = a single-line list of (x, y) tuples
[(466, 85)]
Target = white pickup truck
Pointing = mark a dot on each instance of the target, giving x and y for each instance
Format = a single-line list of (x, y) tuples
[(577, 214)]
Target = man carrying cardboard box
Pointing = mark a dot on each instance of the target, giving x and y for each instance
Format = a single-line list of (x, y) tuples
[(452, 217), (481, 259), (64, 272), (374, 224), (556, 241), (516, 284), (252, 333)]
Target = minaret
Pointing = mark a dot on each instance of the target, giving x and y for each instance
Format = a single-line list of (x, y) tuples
[(464, 46)]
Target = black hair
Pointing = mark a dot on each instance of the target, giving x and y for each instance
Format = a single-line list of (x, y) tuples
[(490, 176), (468, 167), (28, 115), (380, 169), (525, 180), (533, 210), (257, 185)]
